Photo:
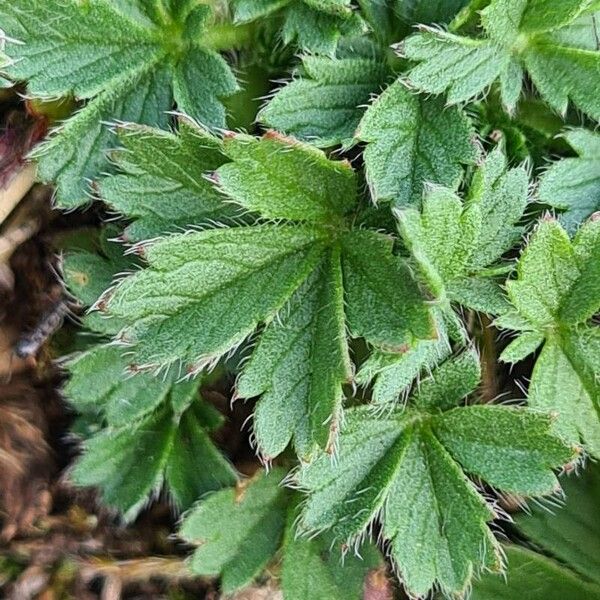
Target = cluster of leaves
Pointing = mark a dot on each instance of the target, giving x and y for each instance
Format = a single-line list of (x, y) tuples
[(344, 295)]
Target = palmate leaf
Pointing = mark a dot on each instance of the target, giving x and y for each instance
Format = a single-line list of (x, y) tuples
[(413, 140), (154, 430), (239, 531), (521, 35), (324, 104), (556, 293), (161, 186), (572, 185), (315, 25), (128, 61), (408, 467), (169, 447), (453, 242), (205, 292)]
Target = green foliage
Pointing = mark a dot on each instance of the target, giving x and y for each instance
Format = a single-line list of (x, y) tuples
[(555, 294), (572, 185), (160, 186), (128, 61), (413, 140), (353, 284), (565, 564), (519, 36), (408, 467), (155, 430), (315, 25), (293, 277), (325, 102), (239, 531)]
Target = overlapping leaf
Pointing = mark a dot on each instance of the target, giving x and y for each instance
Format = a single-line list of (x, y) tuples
[(408, 467), (128, 61), (572, 185), (239, 531), (411, 141), (454, 242), (566, 541), (205, 292), (154, 430), (520, 36), (314, 25), (161, 187), (428, 11), (170, 446), (556, 293), (325, 102)]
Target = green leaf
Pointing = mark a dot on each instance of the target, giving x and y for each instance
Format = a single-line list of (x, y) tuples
[(314, 25), (231, 279), (522, 36), (89, 274), (295, 278), (312, 569), (453, 242), (428, 11), (572, 185), (570, 532), (556, 292), (374, 279), (284, 179), (238, 531), (521, 347), (407, 466), (299, 366), (248, 10), (557, 387), (317, 26), (450, 382), (128, 65), (394, 373), (532, 576), (161, 186), (325, 103), (132, 462), (99, 380), (412, 141)]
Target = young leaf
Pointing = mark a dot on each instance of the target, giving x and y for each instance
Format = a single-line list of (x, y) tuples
[(407, 466), (161, 186), (556, 292), (127, 64), (324, 104), (131, 462), (238, 531), (453, 242), (412, 141), (572, 185), (521, 35), (299, 366)]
